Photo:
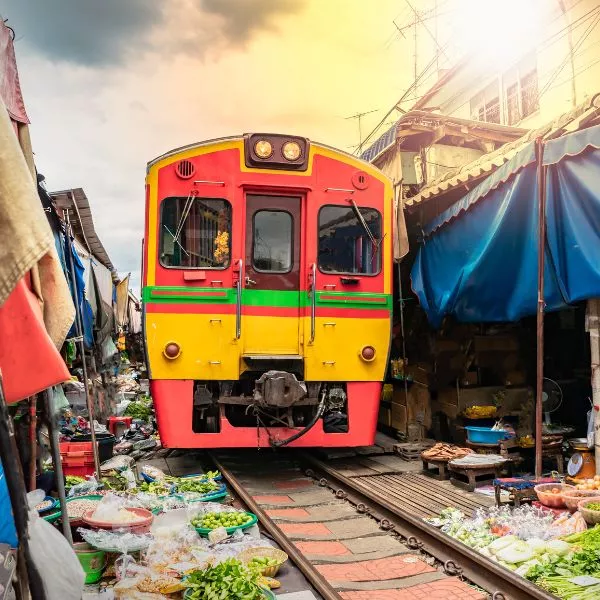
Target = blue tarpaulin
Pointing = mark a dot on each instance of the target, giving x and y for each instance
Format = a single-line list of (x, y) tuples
[(478, 260), (87, 315)]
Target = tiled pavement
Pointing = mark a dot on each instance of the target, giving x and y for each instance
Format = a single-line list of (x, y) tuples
[(356, 557)]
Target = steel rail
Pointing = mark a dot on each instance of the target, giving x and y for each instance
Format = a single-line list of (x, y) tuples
[(457, 558), (308, 570)]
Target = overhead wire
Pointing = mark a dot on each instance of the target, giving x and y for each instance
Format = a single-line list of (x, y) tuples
[(467, 87), (548, 41)]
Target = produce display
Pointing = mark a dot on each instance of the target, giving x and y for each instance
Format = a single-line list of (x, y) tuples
[(445, 452), (548, 550), (73, 480), (589, 484), (480, 412), (200, 486), (139, 410), (229, 579), (156, 488), (45, 505), (214, 520), (77, 508), (263, 562)]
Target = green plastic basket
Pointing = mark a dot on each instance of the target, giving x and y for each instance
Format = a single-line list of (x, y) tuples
[(218, 497), (203, 531)]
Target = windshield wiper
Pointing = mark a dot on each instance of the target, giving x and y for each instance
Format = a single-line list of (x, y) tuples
[(365, 226)]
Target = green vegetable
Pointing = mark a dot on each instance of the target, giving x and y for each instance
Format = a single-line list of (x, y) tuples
[(586, 539), (138, 410), (214, 520), (228, 580), (157, 488), (73, 480), (583, 562), (263, 562), (563, 588), (200, 486), (115, 482), (593, 506)]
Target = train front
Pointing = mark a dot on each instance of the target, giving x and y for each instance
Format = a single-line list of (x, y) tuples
[(267, 282)]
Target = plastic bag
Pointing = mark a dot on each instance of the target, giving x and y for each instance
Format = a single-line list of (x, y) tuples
[(113, 541), (34, 498), (52, 554), (109, 509), (86, 487)]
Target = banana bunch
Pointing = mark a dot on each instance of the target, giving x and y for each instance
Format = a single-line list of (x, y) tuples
[(480, 412)]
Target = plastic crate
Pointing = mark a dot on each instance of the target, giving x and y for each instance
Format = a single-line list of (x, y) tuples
[(77, 458)]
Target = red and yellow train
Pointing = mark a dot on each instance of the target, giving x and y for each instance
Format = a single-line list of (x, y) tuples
[(267, 293)]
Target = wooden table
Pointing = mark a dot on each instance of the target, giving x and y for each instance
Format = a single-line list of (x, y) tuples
[(440, 465), (473, 472)]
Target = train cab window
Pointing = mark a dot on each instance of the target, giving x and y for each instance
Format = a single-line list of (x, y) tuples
[(272, 241), (349, 240), (195, 233)]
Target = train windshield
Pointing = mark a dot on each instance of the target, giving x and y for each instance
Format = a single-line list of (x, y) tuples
[(195, 233), (273, 238), (349, 239)]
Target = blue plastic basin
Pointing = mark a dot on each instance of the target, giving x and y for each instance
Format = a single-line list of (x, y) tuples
[(484, 435)]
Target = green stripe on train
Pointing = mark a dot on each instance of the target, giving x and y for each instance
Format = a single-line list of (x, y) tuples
[(279, 298)]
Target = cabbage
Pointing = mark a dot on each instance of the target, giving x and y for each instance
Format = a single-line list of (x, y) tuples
[(518, 552), (502, 542), (558, 547), (537, 545)]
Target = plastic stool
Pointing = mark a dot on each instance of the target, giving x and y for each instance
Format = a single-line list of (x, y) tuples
[(115, 422)]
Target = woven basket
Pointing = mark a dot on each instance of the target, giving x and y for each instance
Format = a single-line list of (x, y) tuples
[(572, 498), (267, 552), (592, 517)]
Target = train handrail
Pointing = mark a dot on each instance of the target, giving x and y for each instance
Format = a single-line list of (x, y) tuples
[(313, 303), (238, 303)]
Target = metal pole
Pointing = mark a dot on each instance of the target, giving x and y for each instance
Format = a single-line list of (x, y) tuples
[(58, 470), (539, 147), (79, 327), (32, 442), (18, 496)]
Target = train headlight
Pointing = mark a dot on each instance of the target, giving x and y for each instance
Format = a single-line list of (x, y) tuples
[(291, 150), (368, 353), (263, 149), (172, 350)]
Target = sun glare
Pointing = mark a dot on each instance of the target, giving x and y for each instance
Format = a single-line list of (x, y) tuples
[(499, 31)]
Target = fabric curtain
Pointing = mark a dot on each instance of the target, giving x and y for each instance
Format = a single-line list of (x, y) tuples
[(479, 261)]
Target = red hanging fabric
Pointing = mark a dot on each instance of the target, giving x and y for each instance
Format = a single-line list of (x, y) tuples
[(29, 361)]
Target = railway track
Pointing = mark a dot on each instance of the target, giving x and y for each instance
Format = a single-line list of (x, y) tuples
[(353, 538)]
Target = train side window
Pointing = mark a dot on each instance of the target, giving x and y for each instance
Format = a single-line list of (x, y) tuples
[(195, 233), (349, 244), (272, 241)]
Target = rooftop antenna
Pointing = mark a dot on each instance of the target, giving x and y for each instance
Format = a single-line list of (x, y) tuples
[(359, 116)]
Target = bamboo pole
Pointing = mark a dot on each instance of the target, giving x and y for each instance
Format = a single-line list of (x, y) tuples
[(593, 325), (539, 147), (79, 327)]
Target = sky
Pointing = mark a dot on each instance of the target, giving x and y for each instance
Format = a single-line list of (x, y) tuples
[(111, 84)]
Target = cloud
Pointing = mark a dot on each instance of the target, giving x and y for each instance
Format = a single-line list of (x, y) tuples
[(106, 33), (241, 19), (94, 33)]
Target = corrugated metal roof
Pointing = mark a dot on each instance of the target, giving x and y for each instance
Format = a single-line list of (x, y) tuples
[(428, 121), (483, 166), (80, 214)]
